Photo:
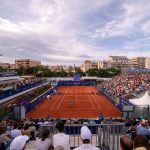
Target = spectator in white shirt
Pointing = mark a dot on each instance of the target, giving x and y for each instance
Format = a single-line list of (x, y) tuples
[(86, 137), (45, 142), (61, 139), (15, 132), (19, 143)]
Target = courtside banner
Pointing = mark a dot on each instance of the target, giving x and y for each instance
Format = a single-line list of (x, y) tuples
[(76, 77), (74, 83), (128, 108)]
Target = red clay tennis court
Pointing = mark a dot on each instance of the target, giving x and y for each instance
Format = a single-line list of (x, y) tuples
[(75, 102)]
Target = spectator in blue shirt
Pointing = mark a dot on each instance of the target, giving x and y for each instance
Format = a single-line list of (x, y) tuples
[(143, 130), (101, 117)]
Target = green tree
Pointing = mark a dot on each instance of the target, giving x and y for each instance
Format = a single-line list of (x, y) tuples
[(47, 72), (79, 71), (92, 72), (63, 73), (2, 69), (103, 73), (21, 70), (30, 70)]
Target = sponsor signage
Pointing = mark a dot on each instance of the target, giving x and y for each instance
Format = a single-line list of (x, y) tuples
[(128, 108)]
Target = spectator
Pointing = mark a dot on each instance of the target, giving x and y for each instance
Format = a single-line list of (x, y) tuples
[(26, 130), (61, 139), (4, 137), (126, 83), (143, 130), (86, 137), (126, 143), (59, 148), (141, 143), (32, 127), (32, 136), (19, 142), (15, 132), (45, 142), (101, 117)]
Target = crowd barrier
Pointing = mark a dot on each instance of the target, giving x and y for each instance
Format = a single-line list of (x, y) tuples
[(104, 136)]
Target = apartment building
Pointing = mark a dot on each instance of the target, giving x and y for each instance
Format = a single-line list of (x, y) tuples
[(61, 68), (27, 63), (5, 65), (12, 66), (118, 62), (103, 64), (137, 63), (88, 65), (147, 63)]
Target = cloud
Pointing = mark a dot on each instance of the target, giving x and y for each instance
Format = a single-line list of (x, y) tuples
[(129, 23), (66, 31)]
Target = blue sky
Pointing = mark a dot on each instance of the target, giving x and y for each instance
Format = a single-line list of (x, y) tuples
[(71, 31)]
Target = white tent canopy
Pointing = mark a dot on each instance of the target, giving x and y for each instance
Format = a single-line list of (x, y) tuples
[(145, 100)]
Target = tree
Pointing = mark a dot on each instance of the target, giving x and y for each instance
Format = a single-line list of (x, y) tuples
[(92, 72), (30, 70), (103, 73), (21, 70), (2, 69), (79, 71), (63, 73), (47, 72)]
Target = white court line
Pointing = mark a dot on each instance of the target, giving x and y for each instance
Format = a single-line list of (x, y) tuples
[(91, 101), (60, 102), (55, 101), (77, 100), (96, 102), (81, 108)]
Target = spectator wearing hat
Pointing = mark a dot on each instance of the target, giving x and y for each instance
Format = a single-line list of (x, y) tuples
[(61, 139), (19, 143), (86, 137)]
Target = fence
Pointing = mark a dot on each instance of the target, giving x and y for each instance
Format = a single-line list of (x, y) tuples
[(104, 136)]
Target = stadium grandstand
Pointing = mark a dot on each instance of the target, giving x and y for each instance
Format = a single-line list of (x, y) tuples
[(75, 102), (13, 85)]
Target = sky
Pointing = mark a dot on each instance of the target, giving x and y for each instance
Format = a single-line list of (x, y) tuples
[(68, 32)]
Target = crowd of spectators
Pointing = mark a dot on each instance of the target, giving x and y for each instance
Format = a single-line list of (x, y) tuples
[(126, 84), (28, 130), (19, 86), (25, 82)]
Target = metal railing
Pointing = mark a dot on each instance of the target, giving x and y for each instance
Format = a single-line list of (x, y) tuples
[(104, 136)]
